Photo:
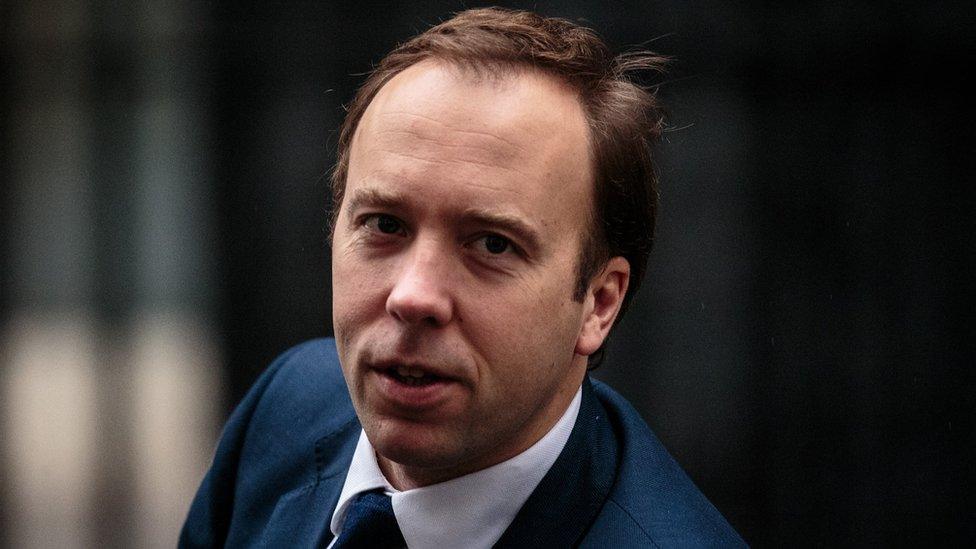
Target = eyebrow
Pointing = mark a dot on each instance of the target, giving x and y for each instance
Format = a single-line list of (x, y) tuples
[(509, 223), (371, 197), (374, 198)]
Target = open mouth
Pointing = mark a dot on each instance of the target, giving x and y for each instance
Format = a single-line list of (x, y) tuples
[(410, 376)]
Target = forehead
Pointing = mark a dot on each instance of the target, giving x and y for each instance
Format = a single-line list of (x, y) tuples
[(504, 109), (517, 140)]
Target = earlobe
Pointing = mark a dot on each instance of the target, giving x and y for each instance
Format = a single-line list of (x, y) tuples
[(603, 300)]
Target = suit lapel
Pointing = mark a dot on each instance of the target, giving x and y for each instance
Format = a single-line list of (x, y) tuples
[(567, 501), (301, 517), (332, 472)]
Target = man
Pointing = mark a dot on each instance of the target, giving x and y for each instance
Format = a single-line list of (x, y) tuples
[(494, 210)]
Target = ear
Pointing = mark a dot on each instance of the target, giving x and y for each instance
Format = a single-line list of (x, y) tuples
[(602, 303)]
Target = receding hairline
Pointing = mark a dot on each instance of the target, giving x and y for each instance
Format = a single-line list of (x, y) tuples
[(502, 75), (498, 73)]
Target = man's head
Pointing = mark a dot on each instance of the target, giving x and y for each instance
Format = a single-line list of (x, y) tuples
[(477, 261), (624, 119)]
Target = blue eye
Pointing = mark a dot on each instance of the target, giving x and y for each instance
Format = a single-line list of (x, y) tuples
[(496, 244)]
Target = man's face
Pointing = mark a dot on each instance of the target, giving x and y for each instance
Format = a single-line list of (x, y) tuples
[(454, 264)]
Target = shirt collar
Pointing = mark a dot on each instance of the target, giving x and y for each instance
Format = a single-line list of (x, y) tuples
[(473, 510)]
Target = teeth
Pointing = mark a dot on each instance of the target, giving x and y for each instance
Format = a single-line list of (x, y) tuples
[(409, 372)]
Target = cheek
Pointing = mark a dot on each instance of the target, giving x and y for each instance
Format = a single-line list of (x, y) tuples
[(357, 295), (523, 332)]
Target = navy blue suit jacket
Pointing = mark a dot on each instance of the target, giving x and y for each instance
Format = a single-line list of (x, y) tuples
[(283, 456)]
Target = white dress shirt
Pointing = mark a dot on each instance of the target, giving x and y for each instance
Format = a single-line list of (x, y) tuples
[(472, 511)]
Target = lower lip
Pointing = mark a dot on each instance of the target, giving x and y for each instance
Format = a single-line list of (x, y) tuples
[(413, 397)]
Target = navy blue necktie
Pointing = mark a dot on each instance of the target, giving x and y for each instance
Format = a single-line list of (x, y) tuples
[(370, 522)]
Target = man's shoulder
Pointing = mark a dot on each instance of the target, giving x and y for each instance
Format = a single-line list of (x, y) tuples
[(303, 392), (308, 374), (280, 455), (652, 495), (300, 399)]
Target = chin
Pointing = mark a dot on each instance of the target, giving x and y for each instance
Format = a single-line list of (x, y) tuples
[(416, 458), (414, 445)]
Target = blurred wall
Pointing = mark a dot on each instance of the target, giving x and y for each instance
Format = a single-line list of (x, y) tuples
[(803, 342), (110, 381)]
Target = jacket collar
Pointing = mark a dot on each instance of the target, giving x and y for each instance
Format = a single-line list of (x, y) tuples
[(570, 496)]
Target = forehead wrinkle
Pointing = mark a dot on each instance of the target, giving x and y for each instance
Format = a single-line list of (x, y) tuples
[(421, 136), (453, 128), (454, 161)]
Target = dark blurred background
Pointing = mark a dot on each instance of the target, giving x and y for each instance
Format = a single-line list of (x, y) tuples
[(802, 345)]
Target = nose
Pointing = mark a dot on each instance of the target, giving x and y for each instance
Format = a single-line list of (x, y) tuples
[(421, 292)]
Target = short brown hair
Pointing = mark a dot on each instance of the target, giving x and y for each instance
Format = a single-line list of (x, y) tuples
[(624, 117)]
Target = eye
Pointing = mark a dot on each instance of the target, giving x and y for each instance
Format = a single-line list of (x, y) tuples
[(382, 223), (496, 244)]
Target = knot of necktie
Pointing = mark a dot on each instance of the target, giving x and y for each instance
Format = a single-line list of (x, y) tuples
[(370, 523)]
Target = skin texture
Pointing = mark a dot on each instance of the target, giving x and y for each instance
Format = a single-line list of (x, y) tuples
[(455, 253)]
